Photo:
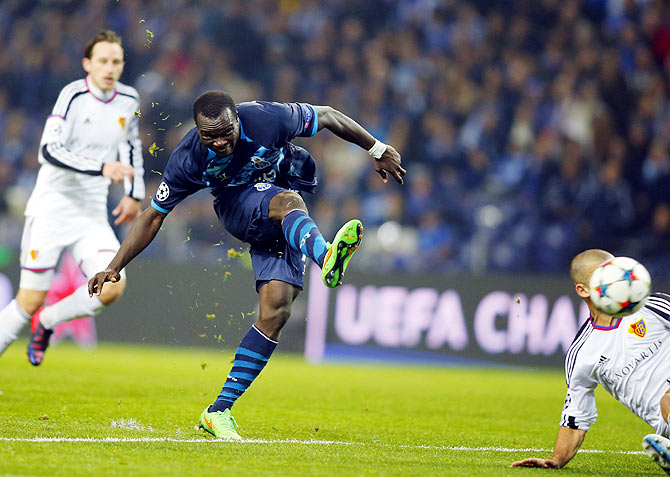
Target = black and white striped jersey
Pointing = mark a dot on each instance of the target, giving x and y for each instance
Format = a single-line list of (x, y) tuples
[(630, 360), (85, 130)]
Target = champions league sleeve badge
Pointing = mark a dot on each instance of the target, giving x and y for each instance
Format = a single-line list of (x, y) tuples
[(163, 192)]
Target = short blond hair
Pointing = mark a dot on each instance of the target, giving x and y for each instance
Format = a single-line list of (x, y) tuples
[(584, 263)]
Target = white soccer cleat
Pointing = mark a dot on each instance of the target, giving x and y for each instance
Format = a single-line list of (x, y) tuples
[(658, 448)]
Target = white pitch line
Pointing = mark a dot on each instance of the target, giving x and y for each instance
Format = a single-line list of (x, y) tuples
[(105, 440)]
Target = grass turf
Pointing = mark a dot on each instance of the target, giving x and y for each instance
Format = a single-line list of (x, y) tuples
[(382, 420)]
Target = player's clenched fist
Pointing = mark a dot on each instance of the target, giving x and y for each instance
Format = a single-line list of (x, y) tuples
[(95, 284)]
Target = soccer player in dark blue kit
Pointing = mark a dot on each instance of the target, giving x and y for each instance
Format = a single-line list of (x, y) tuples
[(244, 155)]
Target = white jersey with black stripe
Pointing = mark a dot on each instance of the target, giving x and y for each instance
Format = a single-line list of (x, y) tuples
[(630, 360), (86, 129)]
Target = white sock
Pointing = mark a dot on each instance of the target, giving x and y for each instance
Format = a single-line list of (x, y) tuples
[(12, 319), (73, 306)]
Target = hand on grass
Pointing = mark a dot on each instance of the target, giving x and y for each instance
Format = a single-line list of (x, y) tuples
[(535, 462)]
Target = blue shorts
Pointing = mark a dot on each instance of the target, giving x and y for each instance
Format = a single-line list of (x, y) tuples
[(243, 211)]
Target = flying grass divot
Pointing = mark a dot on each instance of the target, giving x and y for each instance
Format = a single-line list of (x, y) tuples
[(130, 425)]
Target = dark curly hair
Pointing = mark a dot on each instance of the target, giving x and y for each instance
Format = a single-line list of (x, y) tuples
[(211, 104)]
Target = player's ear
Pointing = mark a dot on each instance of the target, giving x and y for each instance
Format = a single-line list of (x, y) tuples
[(582, 290), (86, 64)]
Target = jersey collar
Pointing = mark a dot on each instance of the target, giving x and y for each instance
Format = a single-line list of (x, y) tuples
[(606, 328), (211, 155), (99, 94)]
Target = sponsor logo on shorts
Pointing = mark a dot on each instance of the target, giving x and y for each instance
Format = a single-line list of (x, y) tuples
[(261, 186), (163, 192)]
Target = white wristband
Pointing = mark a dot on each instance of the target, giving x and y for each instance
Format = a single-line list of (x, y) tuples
[(377, 149)]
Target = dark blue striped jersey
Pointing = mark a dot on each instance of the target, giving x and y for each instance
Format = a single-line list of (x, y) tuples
[(263, 153)]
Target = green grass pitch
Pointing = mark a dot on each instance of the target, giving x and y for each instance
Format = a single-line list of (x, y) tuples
[(299, 419)]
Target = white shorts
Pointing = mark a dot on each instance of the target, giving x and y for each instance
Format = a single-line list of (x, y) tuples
[(92, 243)]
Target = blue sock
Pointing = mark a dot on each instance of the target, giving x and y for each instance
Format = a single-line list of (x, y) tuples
[(302, 234), (250, 358)]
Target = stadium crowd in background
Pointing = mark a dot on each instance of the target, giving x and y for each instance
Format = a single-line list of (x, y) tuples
[(531, 134)]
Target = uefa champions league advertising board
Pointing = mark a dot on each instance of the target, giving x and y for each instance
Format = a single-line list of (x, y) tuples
[(523, 320), (461, 320)]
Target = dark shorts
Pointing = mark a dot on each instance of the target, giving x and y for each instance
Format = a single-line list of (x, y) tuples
[(243, 211)]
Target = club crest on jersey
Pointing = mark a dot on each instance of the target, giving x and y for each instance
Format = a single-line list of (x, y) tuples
[(163, 192), (122, 122), (260, 163), (639, 328), (258, 158), (261, 186)]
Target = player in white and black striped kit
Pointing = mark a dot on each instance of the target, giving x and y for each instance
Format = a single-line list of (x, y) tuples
[(90, 140), (628, 356)]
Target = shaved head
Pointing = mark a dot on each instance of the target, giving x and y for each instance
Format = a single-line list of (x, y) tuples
[(583, 265)]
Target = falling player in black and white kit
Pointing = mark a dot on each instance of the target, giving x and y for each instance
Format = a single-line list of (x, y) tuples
[(90, 140), (628, 356)]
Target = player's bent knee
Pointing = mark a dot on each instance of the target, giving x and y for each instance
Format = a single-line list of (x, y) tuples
[(284, 202), (112, 292), (273, 321), (31, 300)]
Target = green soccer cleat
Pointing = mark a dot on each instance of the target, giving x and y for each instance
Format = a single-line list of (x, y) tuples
[(220, 424), (345, 243)]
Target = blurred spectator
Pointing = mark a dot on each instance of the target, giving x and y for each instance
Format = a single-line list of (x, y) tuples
[(436, 242), (555, 112)]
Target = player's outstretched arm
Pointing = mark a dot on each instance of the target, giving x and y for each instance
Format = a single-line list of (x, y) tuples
[(141, 234), (346, 128), (568, 443)]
